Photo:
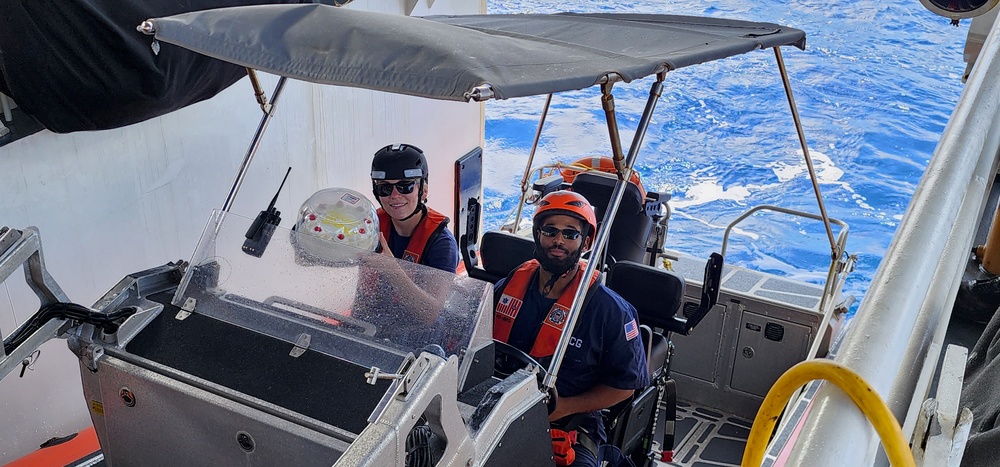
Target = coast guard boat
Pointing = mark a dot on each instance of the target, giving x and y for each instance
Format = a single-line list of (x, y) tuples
[(227, 357)]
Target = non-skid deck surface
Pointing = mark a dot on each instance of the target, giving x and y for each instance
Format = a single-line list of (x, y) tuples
[(706, 437)]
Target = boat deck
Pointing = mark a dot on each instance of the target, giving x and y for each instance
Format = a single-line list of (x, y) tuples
[(706, 437)]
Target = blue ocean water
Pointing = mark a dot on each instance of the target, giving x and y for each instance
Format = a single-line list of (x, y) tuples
[(874, 88)]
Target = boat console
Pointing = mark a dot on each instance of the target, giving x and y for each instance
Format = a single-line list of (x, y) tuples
[(293, 359)]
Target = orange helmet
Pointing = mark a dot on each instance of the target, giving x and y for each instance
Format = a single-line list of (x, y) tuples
[(570, 204)]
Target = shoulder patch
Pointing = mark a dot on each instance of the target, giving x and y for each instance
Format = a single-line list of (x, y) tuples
[(631, 330)]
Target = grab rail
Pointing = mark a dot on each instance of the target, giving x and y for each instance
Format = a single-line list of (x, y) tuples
[(841, 243)]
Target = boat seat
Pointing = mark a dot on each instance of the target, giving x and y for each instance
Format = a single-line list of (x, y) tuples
[(501, 252), (632, 224), (656, 294), (636, 283)]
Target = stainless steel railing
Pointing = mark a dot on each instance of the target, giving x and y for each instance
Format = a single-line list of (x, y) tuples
[(899, 325)]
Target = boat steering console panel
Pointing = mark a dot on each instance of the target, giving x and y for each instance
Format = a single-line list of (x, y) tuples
[(293, 358)]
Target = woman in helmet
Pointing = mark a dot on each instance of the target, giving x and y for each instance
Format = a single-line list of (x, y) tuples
[(411, 230), (605, 361)]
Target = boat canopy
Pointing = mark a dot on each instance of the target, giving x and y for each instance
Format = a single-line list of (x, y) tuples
[(447, 57), (81, 65)]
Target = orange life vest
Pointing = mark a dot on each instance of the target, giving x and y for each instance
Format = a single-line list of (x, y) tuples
[(427, 229), (513, 297)]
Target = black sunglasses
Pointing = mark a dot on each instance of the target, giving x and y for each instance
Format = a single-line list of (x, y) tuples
[(568, 234), (404, 187)]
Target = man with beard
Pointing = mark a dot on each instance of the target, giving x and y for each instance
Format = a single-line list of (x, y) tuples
[(605, 361)]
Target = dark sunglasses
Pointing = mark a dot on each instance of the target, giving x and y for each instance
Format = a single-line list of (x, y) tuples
[(568, 234), (404, 187)]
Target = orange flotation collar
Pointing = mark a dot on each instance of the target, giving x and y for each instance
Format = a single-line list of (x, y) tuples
[(602, 164)]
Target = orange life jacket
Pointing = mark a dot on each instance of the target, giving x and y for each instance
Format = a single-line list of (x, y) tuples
[(427, 229), (513, 297)]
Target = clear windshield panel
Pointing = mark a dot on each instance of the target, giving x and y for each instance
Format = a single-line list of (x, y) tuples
[(364, 307)]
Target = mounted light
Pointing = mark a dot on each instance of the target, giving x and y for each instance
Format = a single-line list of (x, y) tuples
[(959, 9)]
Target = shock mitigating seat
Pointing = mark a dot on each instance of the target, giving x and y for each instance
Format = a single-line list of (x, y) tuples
[(500, 253), (657, 295), (631, 226), (630, 424)]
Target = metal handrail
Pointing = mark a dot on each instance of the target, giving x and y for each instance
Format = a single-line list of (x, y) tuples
[(829, 289), (655, 91), (527, 167), (898, 323)]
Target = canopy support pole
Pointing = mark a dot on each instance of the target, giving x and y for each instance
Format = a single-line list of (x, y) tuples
[(527, 167), (258, 90), (608, 103), (834, 250), (255, 142), (655, 91)]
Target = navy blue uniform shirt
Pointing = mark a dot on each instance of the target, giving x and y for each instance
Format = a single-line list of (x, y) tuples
[(605, 347)]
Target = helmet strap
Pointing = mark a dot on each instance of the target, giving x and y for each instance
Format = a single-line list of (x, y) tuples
[(555, 278), (421, 207)]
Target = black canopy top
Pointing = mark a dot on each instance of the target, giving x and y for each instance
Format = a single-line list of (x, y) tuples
[(80, 65), (446, 57)]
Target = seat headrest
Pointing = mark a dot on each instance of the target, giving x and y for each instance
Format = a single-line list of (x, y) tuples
[(597, 188), (502, 252), (657, 294), (631, 225)]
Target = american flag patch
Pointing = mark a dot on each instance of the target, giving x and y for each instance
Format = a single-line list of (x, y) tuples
[(508, 306), (631, 330)]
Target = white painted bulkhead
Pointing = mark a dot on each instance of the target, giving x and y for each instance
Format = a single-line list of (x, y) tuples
[(114, 202)]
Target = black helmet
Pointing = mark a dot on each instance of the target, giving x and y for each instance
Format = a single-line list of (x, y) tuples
[(399, 161)]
